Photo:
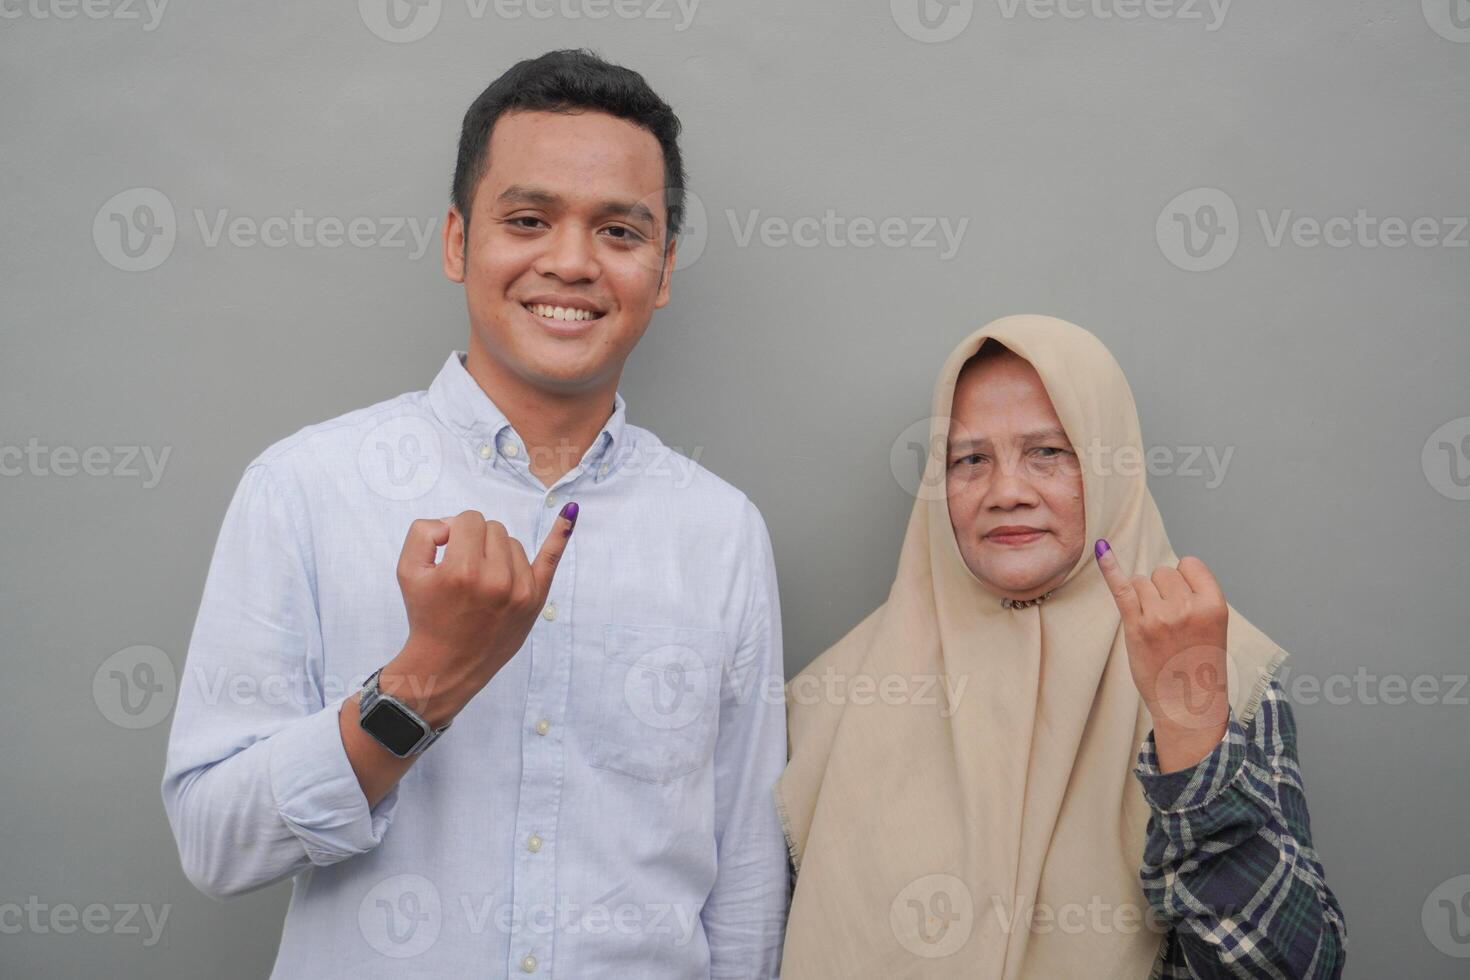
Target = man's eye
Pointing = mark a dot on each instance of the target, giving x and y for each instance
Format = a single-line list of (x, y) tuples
[(623, 233), (524, 221)]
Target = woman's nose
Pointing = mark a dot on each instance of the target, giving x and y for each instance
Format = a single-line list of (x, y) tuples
[(1011, 488)]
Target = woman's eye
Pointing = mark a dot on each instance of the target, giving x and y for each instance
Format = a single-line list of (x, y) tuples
[(1050, 452), (974, 459)]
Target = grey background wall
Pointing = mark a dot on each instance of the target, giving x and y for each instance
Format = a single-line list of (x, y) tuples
[(1151, 172)]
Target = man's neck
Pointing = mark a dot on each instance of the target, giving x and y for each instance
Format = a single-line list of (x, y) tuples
[(557, 429)]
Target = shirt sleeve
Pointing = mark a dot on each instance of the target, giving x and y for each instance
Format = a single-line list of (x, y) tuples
[(257, 784), (745, 915), (1229, 863)]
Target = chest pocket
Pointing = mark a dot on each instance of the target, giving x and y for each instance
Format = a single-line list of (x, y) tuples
[(659, 701)]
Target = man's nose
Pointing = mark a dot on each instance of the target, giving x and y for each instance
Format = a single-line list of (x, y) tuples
[(569, 256)]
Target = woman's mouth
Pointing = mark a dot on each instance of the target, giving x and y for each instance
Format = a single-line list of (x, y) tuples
[(1014, 535)]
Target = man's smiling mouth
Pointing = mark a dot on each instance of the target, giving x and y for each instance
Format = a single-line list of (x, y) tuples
[(565, 313)]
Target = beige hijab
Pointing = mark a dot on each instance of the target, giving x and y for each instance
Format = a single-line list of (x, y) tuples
[(927, 826)]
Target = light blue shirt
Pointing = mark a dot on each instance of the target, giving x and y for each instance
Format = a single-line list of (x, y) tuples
[(603, 808)]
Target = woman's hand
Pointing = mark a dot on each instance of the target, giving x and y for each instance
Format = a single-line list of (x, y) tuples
[(1174, 624)]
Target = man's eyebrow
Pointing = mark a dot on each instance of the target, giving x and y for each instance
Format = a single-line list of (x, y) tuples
[(633, 210), (518, 194)]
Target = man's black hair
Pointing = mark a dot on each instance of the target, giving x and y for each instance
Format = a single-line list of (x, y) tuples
[(569, 81)]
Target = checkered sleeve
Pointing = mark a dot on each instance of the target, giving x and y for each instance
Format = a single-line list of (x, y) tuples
[(1229, 864)]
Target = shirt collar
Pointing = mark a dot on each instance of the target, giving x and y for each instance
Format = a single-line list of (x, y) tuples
[(469, 412)]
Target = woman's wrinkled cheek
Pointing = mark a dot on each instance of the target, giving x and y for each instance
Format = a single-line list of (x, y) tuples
[(964, 513), (1075, 521)]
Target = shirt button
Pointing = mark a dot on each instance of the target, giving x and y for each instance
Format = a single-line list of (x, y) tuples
[(528, 965), (485, 451), (551, 500), (534, 844), (602, 471), (543, 726), (549, 613), (512, 450)]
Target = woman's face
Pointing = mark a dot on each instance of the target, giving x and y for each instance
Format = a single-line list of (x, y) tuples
[(1013, 480)]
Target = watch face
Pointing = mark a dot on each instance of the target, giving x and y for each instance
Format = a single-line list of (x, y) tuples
[(392, 727)]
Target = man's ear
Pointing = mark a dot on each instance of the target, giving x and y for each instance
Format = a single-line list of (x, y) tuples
[(454, 245), (666, 273)]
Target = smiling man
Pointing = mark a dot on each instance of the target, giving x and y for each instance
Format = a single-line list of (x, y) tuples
[(496, 747)]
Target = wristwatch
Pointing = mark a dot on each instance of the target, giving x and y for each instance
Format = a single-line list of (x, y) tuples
[(394, 724)]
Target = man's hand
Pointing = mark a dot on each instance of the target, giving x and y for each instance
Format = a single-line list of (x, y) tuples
[(469, 613), (1174, 624)]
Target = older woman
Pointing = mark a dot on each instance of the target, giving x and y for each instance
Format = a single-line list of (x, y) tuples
[(1084, 795)]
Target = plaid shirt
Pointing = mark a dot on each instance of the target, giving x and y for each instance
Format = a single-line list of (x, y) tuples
[(1229, 864)]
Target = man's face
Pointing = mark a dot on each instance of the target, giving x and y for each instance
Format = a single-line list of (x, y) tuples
[(566, 257)]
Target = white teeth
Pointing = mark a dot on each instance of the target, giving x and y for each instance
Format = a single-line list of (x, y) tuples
[(561, 312)]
